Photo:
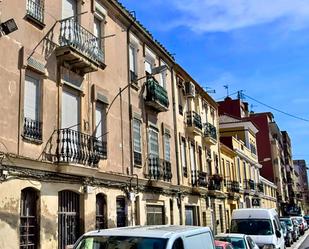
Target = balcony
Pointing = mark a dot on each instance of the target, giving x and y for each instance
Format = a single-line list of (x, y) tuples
[(32, 130), (215, 182), (249, 185), (199, 178), (261, 187), (210, 134), (73, 147), (156, 96), (194, 123), (159, 169), (233, 186), (35, 12), (79, 48)]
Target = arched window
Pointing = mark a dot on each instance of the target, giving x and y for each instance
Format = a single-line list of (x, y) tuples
[(248, 202), (68, 218), (101, 211), (29, 219)]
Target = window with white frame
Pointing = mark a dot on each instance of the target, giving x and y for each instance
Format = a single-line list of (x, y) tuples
[(192, 156), (32, 125), (137, 143), (153, 143), (149, 61), (97, 31)]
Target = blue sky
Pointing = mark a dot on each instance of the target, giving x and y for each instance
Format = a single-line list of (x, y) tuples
[(258, 46)]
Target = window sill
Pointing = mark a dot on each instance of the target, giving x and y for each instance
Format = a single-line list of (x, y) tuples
[(135, 86), (35, 21), (32, 140), (138, 166)]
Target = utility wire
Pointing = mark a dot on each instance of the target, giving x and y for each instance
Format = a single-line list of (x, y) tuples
[(227, 95), (275, 109)]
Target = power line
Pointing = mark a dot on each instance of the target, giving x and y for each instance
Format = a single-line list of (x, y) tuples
[(227, 95), (276, 109)]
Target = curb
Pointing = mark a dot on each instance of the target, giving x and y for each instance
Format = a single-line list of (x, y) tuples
[(301, 240)]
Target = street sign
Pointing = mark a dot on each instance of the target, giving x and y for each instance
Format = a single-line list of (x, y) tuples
[(255, 202)]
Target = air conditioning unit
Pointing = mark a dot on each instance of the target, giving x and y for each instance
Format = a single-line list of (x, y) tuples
[(189, 89)]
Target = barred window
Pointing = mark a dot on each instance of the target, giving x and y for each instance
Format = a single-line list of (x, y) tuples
[(155, 214)]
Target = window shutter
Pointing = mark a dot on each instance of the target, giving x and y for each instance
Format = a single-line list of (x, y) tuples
[(31, 98), (97, 31), (148, 67), (153, 143), (132, 58), (167, 147), (69, 8), (137, 136), (70, 110)]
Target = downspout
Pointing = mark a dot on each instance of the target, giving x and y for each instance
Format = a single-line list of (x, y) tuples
[(176, 143), (130, 170)]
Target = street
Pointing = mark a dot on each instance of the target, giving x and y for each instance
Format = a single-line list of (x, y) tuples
[(302, 243)]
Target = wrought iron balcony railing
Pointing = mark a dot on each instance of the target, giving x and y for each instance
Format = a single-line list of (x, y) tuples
[(215, 182), (32, 129), (156, 95), (210, 131), (78, 148), (74, 35), (250, 185), (199, 178), (159, 169), (194, 119), (233, 186), (35, 10)]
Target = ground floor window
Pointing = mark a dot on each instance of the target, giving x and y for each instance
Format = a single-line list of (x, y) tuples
[(192, 215), (101, 211), (121, 211), (29, 225), (68, 218), (155, 214)]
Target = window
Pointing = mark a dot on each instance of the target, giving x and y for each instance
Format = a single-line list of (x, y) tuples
[(171, 212), (70, 117), (192, 156), (191, 216), (68, 218), (32, 124), (239, 171), (167, 147), (180, 100), (200, 161), (178, 244), (133, 61), (153, 158), (137, 144), (148, 67), (184, 157), (121, 211), (101, 212), (69, 8), (245, 171), (163, 76), (97, 31), (252, 226), (221, 218), (155, 215), (35, 10), (100, 129), (29, 223)]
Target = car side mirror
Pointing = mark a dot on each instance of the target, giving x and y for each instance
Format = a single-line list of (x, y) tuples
[(278, 234)]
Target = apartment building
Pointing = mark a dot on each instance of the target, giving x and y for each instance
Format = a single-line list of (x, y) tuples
[(269, 145), (302, 195), (240, 136), (269, 196), (87, 140), (199, 166)]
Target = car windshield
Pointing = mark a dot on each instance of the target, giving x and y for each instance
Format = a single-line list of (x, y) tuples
[(252, 227), (121, 242), (237, 243), (286, 221), (300, 220)]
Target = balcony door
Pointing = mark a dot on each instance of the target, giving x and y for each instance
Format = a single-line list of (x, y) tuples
[(70, 110), (69, 8)]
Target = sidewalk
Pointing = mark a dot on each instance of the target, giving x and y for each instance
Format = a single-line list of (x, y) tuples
[(298, 243)]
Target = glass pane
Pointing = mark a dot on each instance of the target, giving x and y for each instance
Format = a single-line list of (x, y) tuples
[(167, 147), (137, 135), (70, 110), (31, 98), (132, 58)]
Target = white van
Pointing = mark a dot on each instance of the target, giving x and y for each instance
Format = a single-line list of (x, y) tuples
[(148, 237), (261, 224)]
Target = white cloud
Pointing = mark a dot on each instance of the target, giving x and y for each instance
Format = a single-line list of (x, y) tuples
[(228, 15)]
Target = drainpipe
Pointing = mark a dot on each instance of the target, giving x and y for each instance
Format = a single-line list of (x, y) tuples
[(176, 143)]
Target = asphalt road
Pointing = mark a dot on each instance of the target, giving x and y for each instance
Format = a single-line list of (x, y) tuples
[(302, 243)]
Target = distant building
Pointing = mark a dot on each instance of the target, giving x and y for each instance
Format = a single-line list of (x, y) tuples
[(302, 184)]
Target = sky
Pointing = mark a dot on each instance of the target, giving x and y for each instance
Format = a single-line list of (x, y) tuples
[(258, 46)]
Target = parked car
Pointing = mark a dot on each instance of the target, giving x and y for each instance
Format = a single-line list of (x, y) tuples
[(287, 234), (296, 224), (306, 217), (153, 237), (293, 228), (238, 241), (301, 224), (222, 245), (261, 224)]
